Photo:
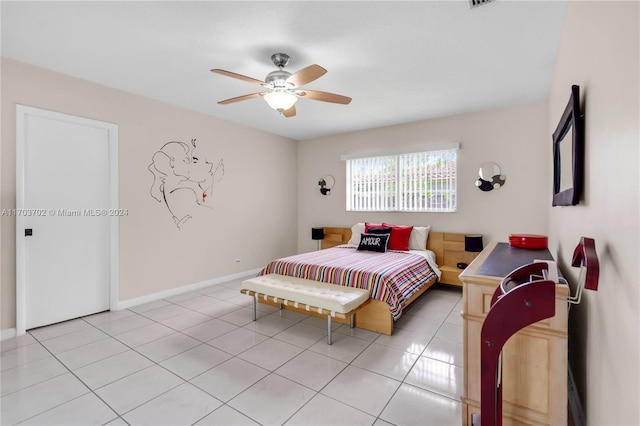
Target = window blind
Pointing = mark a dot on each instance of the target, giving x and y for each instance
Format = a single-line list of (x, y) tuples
[(422, 181)]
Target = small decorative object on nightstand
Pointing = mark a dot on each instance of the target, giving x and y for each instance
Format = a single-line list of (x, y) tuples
[(317, 234)]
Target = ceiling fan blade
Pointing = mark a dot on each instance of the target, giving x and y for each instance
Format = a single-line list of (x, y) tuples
[(306, 75), (324, 96), (241, 98), (238, 76), (291, 112)]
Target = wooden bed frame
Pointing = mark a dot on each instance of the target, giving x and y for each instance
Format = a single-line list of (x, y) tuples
[(376, 316)]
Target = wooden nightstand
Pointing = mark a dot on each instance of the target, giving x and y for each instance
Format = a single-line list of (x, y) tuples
[(534, 359), (450, 275), (449, 250)]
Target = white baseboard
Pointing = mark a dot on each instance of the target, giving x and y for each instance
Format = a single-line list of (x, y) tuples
[(8, 333), (125, 304)]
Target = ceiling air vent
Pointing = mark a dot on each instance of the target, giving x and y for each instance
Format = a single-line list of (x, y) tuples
[(476, 3)]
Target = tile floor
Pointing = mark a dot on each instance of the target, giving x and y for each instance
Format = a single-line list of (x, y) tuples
[(199, 359)]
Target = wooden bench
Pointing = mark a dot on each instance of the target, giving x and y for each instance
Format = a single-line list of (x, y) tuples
[(334, 301)]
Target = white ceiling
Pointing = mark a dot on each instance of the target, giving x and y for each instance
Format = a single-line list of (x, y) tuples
[(399, 61)]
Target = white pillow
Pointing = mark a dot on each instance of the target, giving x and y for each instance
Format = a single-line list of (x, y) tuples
[(356, 231), (418, 239)]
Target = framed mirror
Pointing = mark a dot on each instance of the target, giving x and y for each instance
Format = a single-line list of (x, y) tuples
[(568, 154)]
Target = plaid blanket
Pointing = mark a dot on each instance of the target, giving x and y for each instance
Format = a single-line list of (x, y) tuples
[(391, 277)]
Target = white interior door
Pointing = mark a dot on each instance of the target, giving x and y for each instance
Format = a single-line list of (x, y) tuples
[(66, 227)]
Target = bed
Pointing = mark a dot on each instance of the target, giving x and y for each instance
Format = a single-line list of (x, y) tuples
[(394, 279)]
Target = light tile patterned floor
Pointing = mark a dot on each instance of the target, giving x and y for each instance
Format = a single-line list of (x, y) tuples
[(198, 358)]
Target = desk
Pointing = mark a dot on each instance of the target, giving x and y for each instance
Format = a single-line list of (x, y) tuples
[(534, 369)]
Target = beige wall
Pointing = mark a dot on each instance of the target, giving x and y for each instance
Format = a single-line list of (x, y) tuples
[(249, 220), (600, 53), (515, 138)]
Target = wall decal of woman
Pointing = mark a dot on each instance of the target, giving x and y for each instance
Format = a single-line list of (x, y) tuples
[(181, 180)]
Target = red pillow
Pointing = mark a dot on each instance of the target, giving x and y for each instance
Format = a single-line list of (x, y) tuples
[(368, 226), (400, 235)]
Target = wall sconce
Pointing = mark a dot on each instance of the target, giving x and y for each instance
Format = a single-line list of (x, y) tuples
[(491, 177), (318, 235), (326, 184)]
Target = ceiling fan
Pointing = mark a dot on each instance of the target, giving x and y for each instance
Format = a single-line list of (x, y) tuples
[(283, 88)]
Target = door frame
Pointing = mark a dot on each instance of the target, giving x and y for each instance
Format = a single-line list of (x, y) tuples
[(22, 111)]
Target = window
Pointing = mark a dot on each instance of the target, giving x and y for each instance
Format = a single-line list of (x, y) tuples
[(421, 180)]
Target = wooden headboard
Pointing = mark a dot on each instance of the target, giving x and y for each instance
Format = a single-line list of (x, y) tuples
[(448, 247)]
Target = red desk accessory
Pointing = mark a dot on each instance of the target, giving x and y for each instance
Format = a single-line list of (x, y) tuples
[(530, 241)]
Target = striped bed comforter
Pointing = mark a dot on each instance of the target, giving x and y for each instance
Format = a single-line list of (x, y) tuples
[(392, 277)]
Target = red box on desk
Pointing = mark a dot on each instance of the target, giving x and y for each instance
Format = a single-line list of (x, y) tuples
[(530, 241)]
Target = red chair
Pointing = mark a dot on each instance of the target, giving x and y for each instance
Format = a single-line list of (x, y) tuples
[(521, 300), (523, 297)]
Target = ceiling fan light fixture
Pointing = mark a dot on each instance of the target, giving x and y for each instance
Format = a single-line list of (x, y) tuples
[(281, 89), (280, 100)]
